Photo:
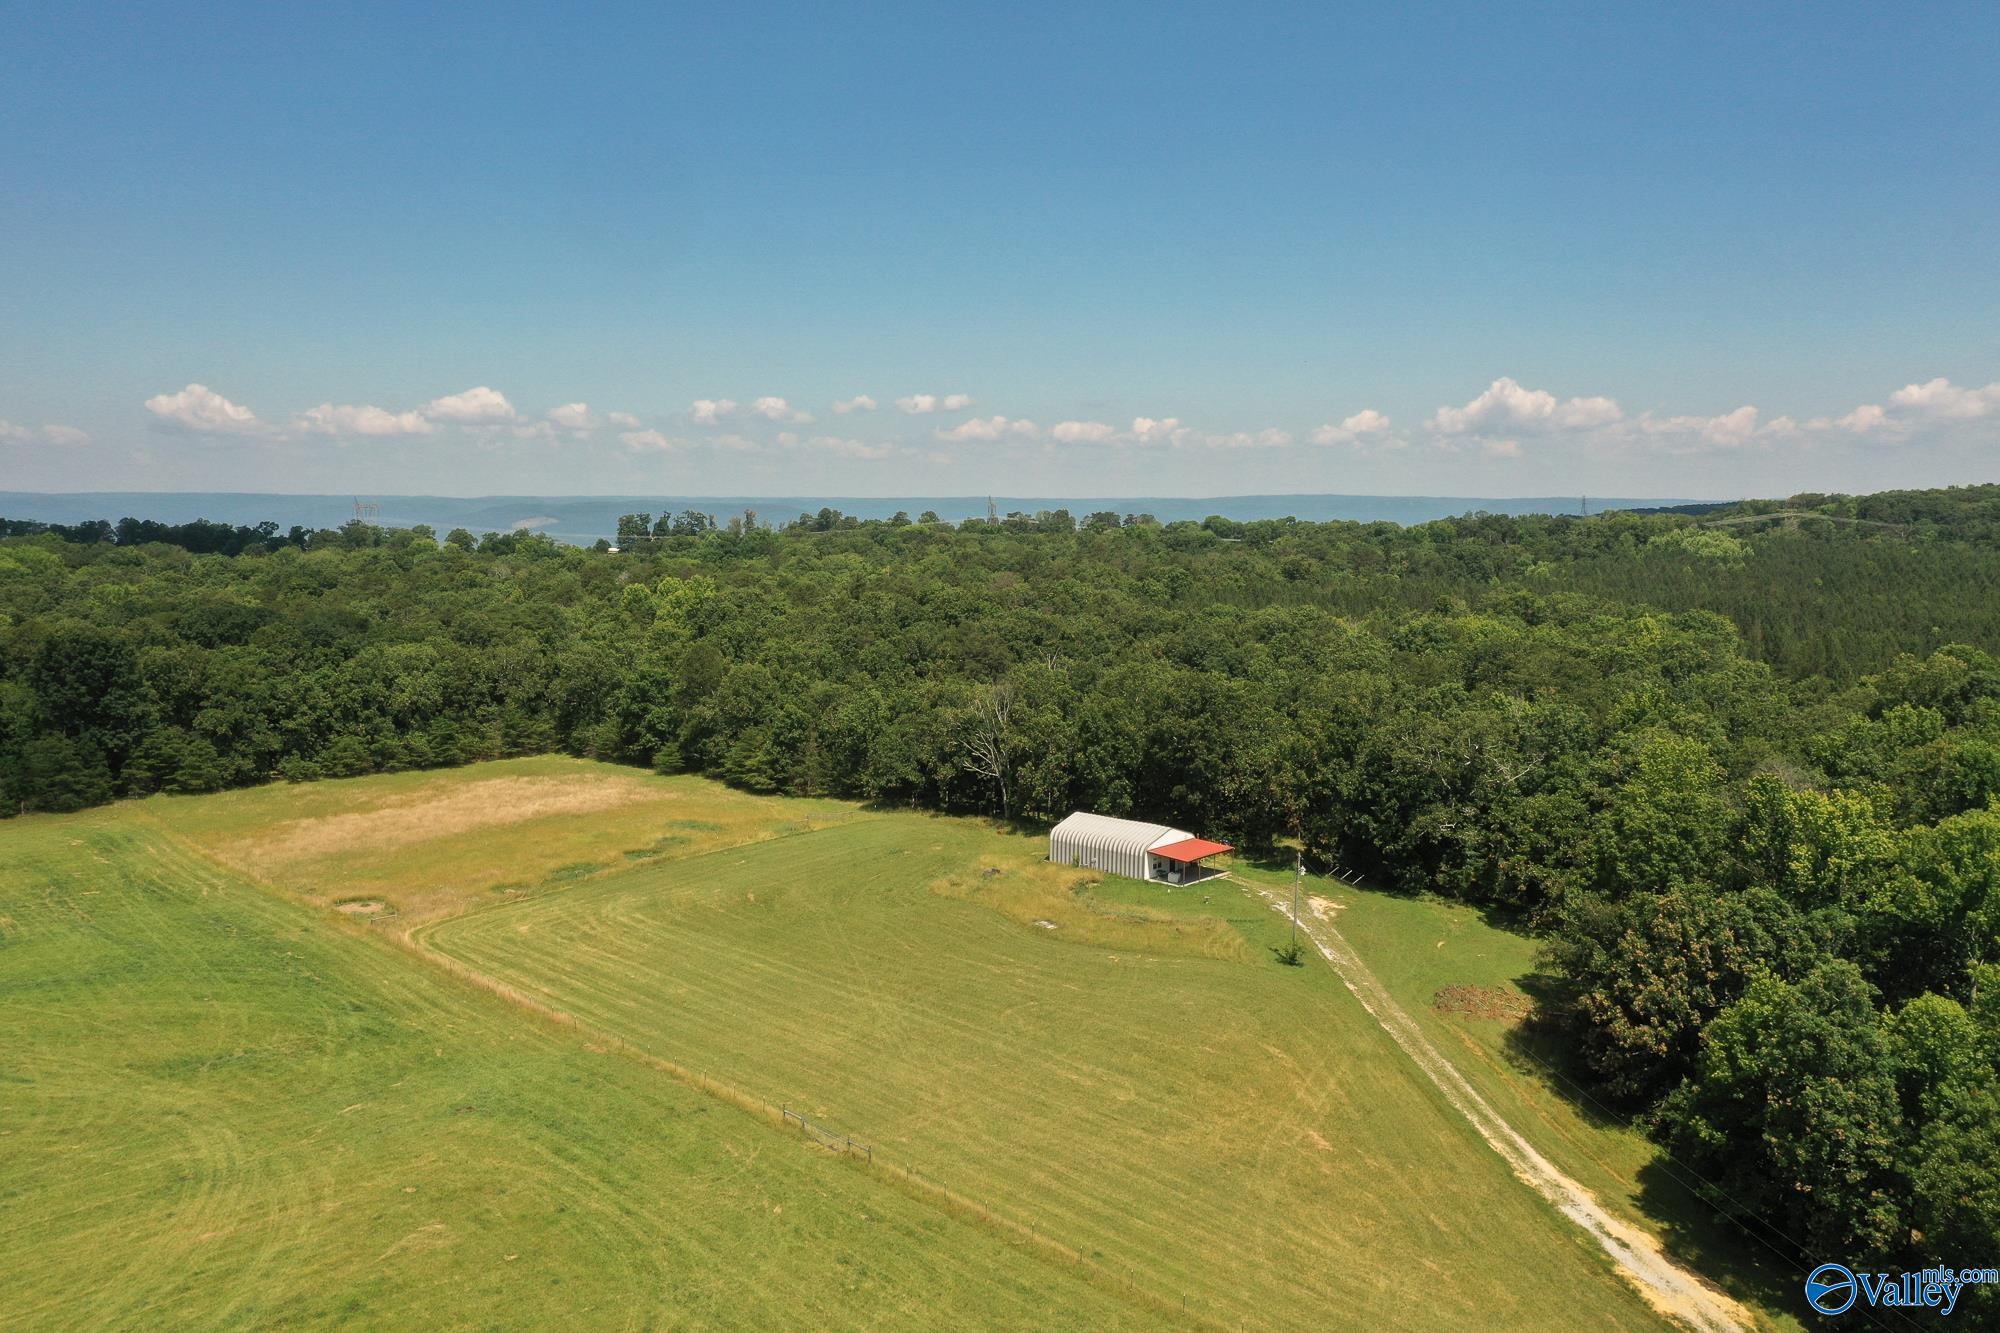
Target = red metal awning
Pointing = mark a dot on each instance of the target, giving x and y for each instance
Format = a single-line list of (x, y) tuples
[(1191, 850)]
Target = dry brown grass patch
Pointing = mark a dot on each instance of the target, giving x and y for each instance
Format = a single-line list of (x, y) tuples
[(426, 846), (441, 810)]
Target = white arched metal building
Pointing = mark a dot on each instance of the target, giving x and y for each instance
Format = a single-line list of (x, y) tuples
[(1128, 847)]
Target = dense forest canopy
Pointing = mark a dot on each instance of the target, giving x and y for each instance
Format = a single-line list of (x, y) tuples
[(1741, 768)]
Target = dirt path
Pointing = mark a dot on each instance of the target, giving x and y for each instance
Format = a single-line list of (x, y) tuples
[(1667, 1287)]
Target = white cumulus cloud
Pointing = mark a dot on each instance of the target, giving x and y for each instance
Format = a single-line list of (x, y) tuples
[(1081, 432), (1729, 430), (1941, 398), (473, 407), (574, 416), (1575, 413), (988, 428), (1146, 430), (777, 409), (640, 440), (53, 432), (1507, 405), (1935, 405), (622, 419), (1364, 423), (860, 402), (1865, 418), (917, 404), (349, 419), (708, 411), (201, 409), (1736, 427)]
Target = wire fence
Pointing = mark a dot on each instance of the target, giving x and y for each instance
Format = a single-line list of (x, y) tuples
[(1091, 1268), (827, 1138)]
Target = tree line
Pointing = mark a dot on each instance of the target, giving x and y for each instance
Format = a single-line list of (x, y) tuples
[(1741, 777)]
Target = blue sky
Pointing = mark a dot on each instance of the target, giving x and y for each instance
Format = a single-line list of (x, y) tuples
[(1400, 248)]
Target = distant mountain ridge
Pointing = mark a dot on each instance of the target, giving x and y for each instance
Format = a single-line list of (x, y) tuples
[(585, 518)]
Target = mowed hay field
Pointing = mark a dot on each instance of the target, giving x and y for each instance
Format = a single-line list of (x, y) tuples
[(422, 845), (1124, 1070), (1468, 983), (219, 1108), (249, 1101)]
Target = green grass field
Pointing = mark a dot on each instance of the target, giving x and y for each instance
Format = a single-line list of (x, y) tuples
[(1430, 953), (232, 1098), (224, 1109)]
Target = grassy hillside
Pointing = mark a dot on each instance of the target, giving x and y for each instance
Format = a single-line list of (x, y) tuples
[(222, 1109), (415, 846), (253, 1102), (1470, 984), (1129, 1079)]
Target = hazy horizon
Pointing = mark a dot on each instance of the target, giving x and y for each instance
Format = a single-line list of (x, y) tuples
[(857, 495), (583, 519)]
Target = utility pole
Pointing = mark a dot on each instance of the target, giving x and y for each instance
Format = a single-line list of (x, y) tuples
[(1298, 879)]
